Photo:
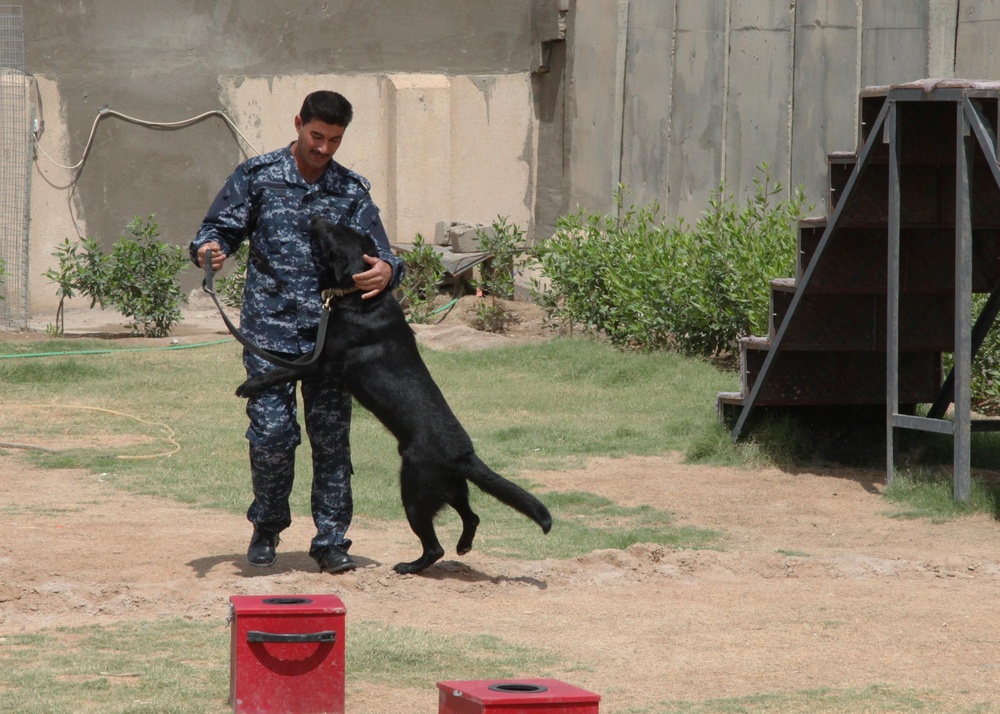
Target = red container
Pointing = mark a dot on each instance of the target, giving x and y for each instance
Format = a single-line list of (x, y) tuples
[(287, 654), (515, 696)]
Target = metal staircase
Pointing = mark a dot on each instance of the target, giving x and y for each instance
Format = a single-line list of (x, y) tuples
[(883, 285)]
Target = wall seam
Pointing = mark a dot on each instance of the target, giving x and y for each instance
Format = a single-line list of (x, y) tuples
[(791, 92), (725, 92), (858, 60), (954, 44), (627, 15), (670, 99)]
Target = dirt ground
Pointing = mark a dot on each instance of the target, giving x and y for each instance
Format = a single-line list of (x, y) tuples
[(816, 585)]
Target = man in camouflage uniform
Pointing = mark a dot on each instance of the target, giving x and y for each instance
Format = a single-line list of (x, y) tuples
[(269, 200)]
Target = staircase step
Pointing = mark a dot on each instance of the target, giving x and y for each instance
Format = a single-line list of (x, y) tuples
[(857, 322), (727, 406), (870, 106), (922, 129), (755, 342), (856, 260), (927, 195), (816, 378)]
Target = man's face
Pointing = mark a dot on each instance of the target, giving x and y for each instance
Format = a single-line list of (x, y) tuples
[(317, 142)]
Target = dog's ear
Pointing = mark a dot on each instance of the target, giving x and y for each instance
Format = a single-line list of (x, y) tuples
[(340, 251), (344, 250), (324, 247), (341, 265)]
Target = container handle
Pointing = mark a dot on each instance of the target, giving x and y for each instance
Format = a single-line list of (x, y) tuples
[(325, 636)]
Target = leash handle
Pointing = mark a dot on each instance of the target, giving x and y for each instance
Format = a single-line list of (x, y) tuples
[(208, 285)]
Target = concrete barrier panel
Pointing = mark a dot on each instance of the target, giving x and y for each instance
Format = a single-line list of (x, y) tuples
[(493, 149), (646, 120), (53, 210), (759, 93), (698, 107), (265, 107), (894, 42), (419, 167), (976, 36), (595, 117), (824, 115)]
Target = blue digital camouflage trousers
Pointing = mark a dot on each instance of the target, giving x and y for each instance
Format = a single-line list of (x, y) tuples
[(274, 433)]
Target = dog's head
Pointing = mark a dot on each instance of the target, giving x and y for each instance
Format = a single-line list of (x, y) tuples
[(337, 252)]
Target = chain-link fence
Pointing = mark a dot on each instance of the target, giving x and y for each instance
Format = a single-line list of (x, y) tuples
[(15, 167)]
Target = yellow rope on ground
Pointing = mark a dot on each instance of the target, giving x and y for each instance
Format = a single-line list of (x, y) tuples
[(169, 438)]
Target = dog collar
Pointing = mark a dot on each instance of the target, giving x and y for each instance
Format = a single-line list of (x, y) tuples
[(330, 293)]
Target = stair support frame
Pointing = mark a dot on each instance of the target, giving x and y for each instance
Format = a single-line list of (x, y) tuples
[(891, 137), (970, 130), (992, 308)]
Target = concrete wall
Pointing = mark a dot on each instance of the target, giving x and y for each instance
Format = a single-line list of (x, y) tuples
[(443, 93), (468, 109), (691, 94)]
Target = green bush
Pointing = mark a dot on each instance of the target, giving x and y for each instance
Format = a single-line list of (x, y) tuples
[(985, 385), (723, 267), (609, 274), (83, 269), (646, 286), (505, 243), (143, 282), (138, 278), (424, 273)]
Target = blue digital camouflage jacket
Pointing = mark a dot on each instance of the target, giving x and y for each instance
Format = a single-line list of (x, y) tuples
[(267, 200)]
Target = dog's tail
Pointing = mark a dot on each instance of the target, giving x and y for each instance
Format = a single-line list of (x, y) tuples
[(509, 493)]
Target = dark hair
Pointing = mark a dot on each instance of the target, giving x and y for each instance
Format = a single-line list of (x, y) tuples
[(329, 107)]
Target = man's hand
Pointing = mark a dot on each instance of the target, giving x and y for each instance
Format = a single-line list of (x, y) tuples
[(218, 257), (375, 280)]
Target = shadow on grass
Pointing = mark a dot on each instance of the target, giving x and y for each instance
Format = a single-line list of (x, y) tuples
[(850, 443)]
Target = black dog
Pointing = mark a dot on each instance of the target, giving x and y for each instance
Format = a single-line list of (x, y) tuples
[(372, 346)]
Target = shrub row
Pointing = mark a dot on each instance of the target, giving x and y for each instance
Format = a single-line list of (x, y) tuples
[(647, 286), (627, 276)]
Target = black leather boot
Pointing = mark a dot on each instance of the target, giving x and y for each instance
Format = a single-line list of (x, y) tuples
[(333, 559), (262, 548)]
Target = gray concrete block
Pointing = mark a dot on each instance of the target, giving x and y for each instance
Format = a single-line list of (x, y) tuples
[(442, 232), (465, 239)]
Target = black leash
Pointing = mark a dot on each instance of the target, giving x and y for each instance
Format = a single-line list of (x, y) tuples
[(208, 285)]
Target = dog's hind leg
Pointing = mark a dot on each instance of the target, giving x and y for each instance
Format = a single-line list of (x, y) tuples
[(422, 524), (470, 521), (422, 502)]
